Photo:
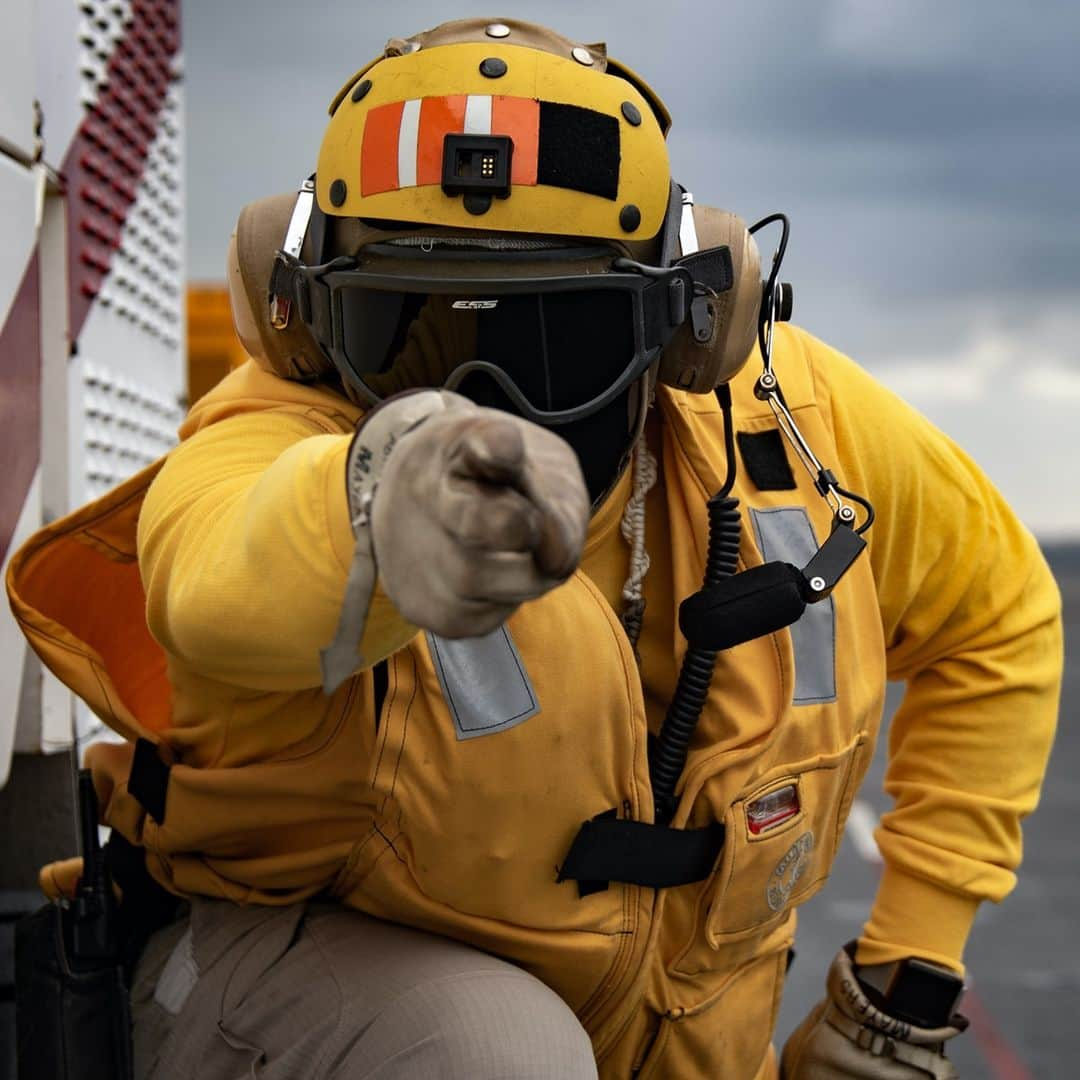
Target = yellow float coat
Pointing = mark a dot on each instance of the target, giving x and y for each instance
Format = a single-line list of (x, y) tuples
[(278, 793)]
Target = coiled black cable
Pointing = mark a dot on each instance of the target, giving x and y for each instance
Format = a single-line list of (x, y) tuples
[(668, 753)]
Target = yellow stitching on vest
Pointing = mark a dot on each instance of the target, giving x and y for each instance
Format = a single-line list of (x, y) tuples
[(341, 884), (84, 535), (405, 722), (337, 423), (387, 725), (630, 894), (856, 749)]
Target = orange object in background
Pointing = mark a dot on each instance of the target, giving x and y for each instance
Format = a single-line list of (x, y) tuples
[(213, 347)]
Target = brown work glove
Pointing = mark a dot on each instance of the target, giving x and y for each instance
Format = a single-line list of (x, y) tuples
[(847, 1036), (476, 511)]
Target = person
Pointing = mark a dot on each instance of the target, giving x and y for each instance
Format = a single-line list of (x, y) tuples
[(496, 680)]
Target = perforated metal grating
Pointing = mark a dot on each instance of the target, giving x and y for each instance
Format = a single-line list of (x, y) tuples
[(126, 183), (126, 229), (101, 25), (144, 286), (127, 426)]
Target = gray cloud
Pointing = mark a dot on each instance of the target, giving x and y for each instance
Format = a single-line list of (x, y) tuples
[(928, 155), (961, 120)]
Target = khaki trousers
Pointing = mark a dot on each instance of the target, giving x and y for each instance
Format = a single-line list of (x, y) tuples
[(319, 992)]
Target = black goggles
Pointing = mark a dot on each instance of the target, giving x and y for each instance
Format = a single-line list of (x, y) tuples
[(559, 345)]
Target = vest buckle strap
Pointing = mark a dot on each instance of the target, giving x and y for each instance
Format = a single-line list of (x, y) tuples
[(148, 782), (608, 849)]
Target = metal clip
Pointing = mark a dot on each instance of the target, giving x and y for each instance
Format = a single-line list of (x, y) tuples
[(767, 389), (833, 560), (280, 309), (700, 320), (281, 306)]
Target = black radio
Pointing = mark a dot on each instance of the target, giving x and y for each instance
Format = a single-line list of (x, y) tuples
[(912, 990)]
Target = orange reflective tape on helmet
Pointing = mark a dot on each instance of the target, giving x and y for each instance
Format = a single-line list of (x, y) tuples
[(403, 144), (585, 153)]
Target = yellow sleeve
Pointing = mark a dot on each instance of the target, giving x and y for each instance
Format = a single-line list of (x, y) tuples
[(971, 616), (244, 546)]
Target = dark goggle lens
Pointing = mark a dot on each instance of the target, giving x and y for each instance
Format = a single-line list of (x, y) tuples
[(560, 348)]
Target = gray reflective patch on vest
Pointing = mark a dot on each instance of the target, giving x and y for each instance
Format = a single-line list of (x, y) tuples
[(786, 535), (484, 682), (178, 977)]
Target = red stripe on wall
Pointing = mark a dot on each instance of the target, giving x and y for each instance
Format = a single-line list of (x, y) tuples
[(20, 401), (439, 117), (379, 149), (102, 169), (520, 119), (104, 165)]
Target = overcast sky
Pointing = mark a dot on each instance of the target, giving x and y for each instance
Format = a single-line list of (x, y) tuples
[(928, 154)]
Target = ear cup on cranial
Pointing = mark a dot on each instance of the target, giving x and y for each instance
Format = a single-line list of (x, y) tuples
[(701, 366), (289, 352)]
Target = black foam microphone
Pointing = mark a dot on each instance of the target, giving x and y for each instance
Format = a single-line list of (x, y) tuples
[(745, 606)]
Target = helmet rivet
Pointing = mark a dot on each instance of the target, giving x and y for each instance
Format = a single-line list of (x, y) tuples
[(493, 67), (338, 191), (477, 204), (629, 217), (497, 30), (631, 112), (361, 90), (582, 55)]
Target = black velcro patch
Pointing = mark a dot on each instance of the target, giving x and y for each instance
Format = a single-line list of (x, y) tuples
[(578, 149), (766, 460), (711, 267), (639, 853)]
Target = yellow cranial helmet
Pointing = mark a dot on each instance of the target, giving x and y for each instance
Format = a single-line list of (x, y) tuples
[(493, 212), (504, 127)]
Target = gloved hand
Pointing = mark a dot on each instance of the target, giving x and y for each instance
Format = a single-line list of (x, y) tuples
[(847, 1036), (476, 511)]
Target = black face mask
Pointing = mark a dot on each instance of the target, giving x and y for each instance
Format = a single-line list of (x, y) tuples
[(601, 440), (558, 352)]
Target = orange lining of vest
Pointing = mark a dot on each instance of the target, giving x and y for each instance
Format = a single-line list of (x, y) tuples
[(76, 591)]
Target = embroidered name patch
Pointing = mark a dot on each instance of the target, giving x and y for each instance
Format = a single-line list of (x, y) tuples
[(788, 871)]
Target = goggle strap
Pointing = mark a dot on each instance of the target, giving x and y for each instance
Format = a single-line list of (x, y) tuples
[(665, 305), (668, 300), (669, 234)]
